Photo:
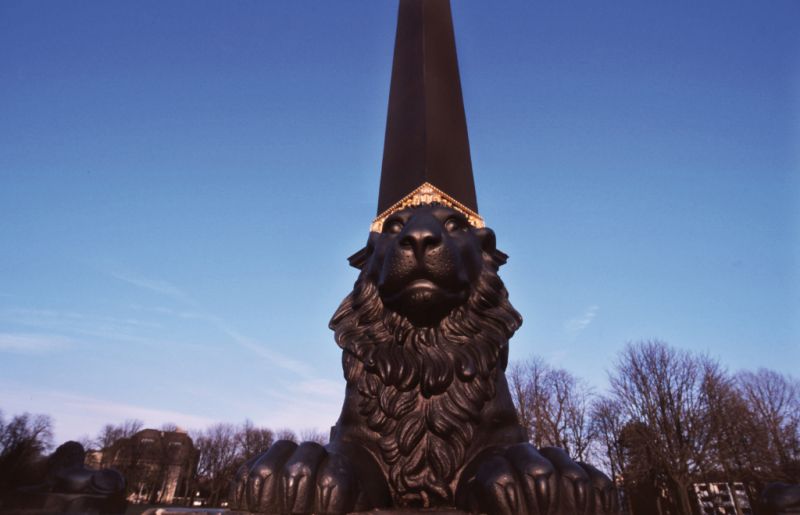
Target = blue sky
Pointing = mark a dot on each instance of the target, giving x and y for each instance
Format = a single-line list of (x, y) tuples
[(181, 182)]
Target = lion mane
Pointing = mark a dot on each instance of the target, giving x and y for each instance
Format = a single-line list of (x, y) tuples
[(422, 389)]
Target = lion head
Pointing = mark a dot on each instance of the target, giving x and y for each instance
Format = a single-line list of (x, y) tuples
[(425, 333), (426, 260)]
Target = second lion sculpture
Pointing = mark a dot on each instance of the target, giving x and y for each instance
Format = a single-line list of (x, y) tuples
[(427, 421)]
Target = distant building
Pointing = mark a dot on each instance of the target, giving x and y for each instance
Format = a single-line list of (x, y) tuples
[(722, 499), (159, 466)]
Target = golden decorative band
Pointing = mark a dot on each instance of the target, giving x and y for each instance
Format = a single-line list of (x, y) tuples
[(428, 194)]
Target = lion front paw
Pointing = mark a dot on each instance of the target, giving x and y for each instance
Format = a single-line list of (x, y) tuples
[(291, 478), (522, 480)]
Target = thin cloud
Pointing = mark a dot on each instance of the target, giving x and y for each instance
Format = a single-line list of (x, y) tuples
[(575, 326), (282, 361), (155, 285), (169, 312), (49, 317), (170, 290), (22, 343), (87, 327)]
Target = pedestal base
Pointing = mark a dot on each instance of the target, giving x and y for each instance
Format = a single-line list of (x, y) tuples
[(30, 503), (220, 511)]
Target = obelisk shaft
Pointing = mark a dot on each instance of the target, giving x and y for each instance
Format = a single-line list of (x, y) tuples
[(426, 128)]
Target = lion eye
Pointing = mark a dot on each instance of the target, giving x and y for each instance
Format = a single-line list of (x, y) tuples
[(393, 226), (453, 224)]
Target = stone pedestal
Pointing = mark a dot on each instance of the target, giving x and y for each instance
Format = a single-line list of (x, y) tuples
[(31, 503), (412, 512), (221, 511)]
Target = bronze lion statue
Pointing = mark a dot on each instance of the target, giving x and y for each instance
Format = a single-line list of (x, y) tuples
[(427, 421)]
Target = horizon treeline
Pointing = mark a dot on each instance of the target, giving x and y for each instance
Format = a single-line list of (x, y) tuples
[(668, 419), (26, 439)]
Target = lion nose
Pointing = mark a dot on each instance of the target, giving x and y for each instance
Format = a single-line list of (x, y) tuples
[(421, 240)]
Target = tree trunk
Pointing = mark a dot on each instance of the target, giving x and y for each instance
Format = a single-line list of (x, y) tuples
[(684, 503)]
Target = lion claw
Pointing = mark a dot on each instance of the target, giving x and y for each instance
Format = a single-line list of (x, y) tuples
[(296, 479), (522, 480)]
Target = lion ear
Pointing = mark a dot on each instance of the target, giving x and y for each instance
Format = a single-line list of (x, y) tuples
[(487, 239), (360, 258), (499, 257), (489, 245)]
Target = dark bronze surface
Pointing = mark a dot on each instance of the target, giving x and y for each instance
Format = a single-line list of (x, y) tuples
[(780, 499), (69, 486), (426, 129), (428, 420)]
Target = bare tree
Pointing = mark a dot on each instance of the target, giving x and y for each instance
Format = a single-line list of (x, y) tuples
[(222, 449), (286, 434), (111, 433), (219, 457), (518, 382), (608, 422), (558, 386), (734, 436), (568, 413), (774, 400), (23, 441), (531, 397), (169, 427), (313, 435), (33, 432), (553, 406), (661, 392), (253, 440)]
